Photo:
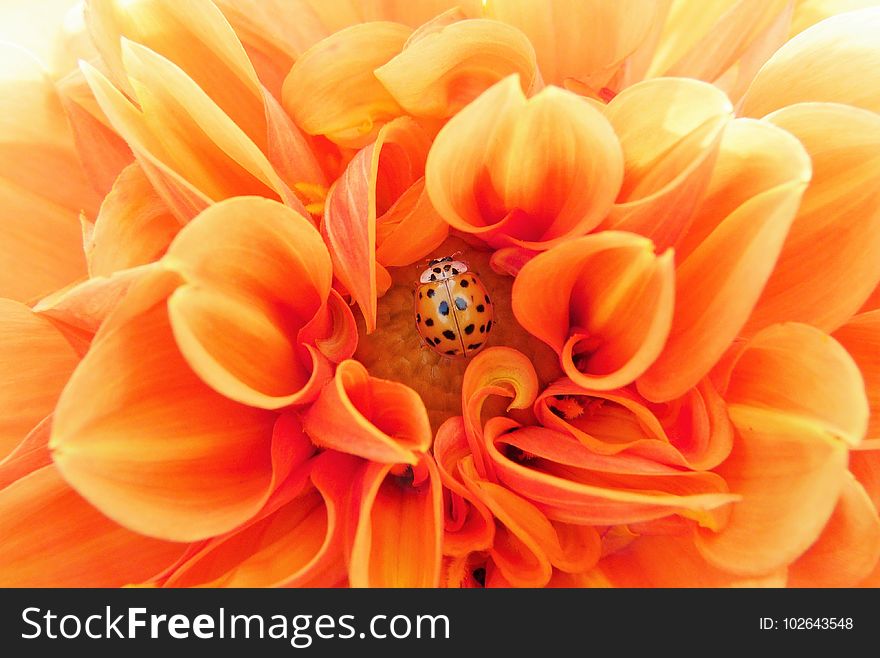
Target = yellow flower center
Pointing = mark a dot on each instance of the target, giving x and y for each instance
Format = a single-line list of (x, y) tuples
[(395, 350)]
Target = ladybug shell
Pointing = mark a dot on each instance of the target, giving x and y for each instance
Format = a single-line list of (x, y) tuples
[(454, 315)]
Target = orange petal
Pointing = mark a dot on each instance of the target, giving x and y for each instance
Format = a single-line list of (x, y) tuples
[(728, 254), (139, 435), (35, 363), (398, 539), (668, 154), (809, 12), (411, 229), (848, 548), (495, 171), (861, 338), (836, 60), (793, 394), (236, 321), (373, 181), (42, 186), (28, 456), (54, 538), (377, 419), (469, 523), (494, 371), (581, 39), (603, 302), (840, 211), (134, 226), (332, 91), (440, 71)]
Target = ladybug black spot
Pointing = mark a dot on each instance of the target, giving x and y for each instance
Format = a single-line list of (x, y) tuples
[(437, 340), (429, 322), (420, 294), (454, 271), (446, 268), (436, 270), (449, 334), (482, 328), (452, 351), (473, 280), (418, 318), (443, 308), (469, 329), (474, 346), (460, 303), (433, 278), (480, 308), (464, 283), (489, 326), (431, 292)]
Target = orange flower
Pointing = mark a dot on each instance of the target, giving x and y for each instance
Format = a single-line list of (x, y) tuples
[(680, 386)]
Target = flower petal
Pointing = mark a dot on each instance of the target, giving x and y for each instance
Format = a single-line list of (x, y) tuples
[(441, 71), (377, 419), (51, 537), (410, 229), (603, 302), (848, 548), (331, 89), (139, 435), (840, 211), (728, 254), (28, 456), (398, 539), (836, 60), (495, 171), (861, 338), (35, 363)]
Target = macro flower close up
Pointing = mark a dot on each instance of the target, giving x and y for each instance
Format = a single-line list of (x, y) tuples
[(464, 294)]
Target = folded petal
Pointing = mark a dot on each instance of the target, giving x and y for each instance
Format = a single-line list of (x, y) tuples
[(668, 152), (43, 188), (840, 211), (51, 537), (836, 60), (848, 548), (728, 254), (257, 273), (31, 454), (495, 171), (399, 533), (139, 435), (331, 89), (861, 338), (604, 302), (410, 229), (35, 364), (442, 70), (377, 419)]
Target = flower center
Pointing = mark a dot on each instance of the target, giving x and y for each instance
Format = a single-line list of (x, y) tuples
[(395, 350)]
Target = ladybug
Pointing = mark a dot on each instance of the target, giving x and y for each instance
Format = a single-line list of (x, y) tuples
[(453, 310)]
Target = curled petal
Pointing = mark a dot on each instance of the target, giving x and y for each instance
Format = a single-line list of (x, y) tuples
[(668, 153), (410, 229), (836, 60), (495, 171), (331, 89), (377, 419), (603, 302), (35, 363), (54, 538), (443, 70), (840, 211), (399, 533), (256, 273), (848, 548), (139, 435), (494, 371), (728, 254), (861, 338)]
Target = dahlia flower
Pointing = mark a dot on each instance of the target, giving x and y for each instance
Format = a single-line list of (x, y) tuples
[(215, 216)]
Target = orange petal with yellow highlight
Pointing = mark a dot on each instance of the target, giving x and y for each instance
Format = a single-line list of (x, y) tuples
[(377, 419), (54, 538), (399, 533), (442, 70), (848, 548), (31, 454), (796, 400), (836, 61), (256, 274), (331, 89), (830, 262), (410, 229), (604, 302), (43, 187), (141, 437), (668, 154), (861, 338), (35, 363), (728, 254), (495, 171)]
